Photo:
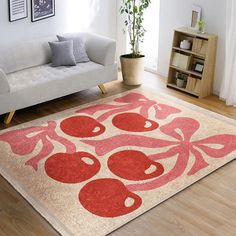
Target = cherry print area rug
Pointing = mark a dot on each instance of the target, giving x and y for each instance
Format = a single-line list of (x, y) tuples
[(92, 169)]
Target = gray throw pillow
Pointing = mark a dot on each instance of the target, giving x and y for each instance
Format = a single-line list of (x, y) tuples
[(78, 47), (62, 53)]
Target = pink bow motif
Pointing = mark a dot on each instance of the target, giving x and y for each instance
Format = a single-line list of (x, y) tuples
[(181, 130), (102, 147), (130, 102), (24, 141)]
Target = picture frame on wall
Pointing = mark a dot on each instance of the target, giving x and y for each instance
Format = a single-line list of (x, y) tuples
[(18, 10), (195, 16), (42, 9)]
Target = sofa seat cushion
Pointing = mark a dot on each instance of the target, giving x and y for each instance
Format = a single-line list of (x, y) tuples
[(42, 74)]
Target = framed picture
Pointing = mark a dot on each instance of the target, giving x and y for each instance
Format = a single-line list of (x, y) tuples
[(199, 67), (41, 9), (18, 9), (195, 16)]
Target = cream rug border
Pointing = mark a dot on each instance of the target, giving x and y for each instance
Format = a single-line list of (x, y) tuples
[(58, 226)]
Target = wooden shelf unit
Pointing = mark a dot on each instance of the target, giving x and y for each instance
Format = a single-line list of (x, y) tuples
[(203, 51)]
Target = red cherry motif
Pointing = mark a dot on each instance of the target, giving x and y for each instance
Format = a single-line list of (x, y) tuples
[(134, 165), (82, 127), (72, 168), (134, 122), (108, 198)]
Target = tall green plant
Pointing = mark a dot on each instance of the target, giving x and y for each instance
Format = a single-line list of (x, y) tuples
[(134, 11)]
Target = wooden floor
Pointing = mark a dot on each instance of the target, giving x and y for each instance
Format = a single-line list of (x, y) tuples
[(206, 208)]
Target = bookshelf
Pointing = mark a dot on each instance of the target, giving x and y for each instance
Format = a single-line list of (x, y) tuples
[(195, 65)]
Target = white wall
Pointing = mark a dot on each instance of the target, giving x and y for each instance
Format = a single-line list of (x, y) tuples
[(151, 24), (176, 13), (98, 16)]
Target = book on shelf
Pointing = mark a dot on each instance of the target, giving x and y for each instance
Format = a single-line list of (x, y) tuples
[(191, 83), (200, 46), (197, 87), (203, 49)]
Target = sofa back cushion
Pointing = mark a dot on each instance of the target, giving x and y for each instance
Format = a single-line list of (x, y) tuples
[(99, 49), (79, 48), (23, 55)]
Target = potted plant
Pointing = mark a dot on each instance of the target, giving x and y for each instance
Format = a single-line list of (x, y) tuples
[(180, 80), (201, 26), (132, 65)]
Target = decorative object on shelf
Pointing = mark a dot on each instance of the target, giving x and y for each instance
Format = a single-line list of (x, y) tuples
[(195, 16), (185, 44), (181, 80), (201, 26), (198, 67), (180, 83), (41, 9), (132, 65), (180, 60), (18, 9)]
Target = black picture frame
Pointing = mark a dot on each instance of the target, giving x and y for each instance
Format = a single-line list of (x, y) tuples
[(198, 67), (17, 9), (42, 9)]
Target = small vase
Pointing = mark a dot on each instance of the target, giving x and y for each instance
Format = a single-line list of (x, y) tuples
[(201, 30), (180, 83)]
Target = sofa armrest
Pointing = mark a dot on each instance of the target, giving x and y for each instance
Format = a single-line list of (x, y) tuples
[(4, 85), (100, 49)]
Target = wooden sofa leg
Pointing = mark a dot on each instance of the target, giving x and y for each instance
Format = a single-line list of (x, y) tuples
[(102, 88), (9, 117)]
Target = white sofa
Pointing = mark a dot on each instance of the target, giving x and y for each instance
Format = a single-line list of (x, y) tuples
[(26, 77)]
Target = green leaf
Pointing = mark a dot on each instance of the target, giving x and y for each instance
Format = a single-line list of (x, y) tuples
[(134, 10)]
